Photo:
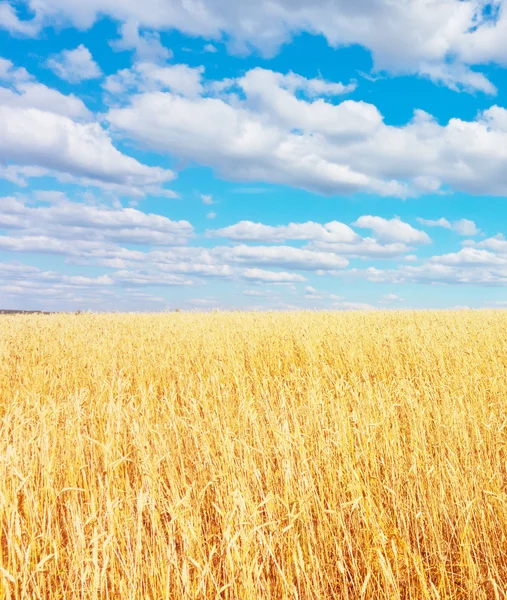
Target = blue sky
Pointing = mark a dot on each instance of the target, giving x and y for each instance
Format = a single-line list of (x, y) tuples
[(283, 154)]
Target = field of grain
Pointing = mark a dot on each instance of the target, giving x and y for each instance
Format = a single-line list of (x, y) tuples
[(254, 456)]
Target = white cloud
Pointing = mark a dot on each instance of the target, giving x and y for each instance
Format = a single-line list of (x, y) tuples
[(482, 263), (440, 40), (469, 257), (150, 77), (10, 73), (249, 143), (392, 298), (457, 77), (207, 199), (46, 133), (393, 230), (210, 48), (346, 305), (10, 21), (257, 232), (263, 276), (293, 82), (211, 215), (259, 293), (25, 92), (76, 222), (30, 137), (333, 237), (435, 223), (282, 256), (365, 248), (147, 45), (466, 227), (29, 94), (271, 135), (462, 227), (75, 65)]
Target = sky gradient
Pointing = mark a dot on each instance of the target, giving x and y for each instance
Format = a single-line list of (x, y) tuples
[(238, 155)]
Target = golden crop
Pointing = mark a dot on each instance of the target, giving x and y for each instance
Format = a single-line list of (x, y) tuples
[(254, 456)]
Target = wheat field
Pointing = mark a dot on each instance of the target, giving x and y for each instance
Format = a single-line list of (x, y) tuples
[(254, 455)]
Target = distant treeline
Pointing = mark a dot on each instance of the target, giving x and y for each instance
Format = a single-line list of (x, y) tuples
[(23, 312)]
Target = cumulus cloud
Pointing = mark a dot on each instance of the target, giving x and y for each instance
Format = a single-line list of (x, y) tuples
[(270, 134), (262, 276), (466, 227), (462, 227), (24, 92), (72, 151), (334, 237), (148, 76), (436, 223), (75, 65), (146, 45), (477, 263), (347, 305), (392, 298), (10, 21), (244, 144), (440, 40), (44, 132), (365, 248), (282, 256), (83, 222), (258, 232), (393, 230)]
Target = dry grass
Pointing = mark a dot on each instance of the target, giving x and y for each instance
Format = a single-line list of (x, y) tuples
[(252, 456)]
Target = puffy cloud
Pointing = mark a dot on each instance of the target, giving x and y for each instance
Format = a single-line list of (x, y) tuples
[(477, 263), (365, 248), (435, 223), (44, 132), (73, 151), (79, 222), (10, 73), (262, 276), (469, 257), (392, 298), (147, 76), (243, 144), (257, 232), (457, 77), (282, 256), (393, 230), (29, 94), (75, 65), (466, 227), (147, 45), (346, 305), (497, 244), (334, 237), (25, 92), (262, 81), (268, 133), (207, 199), (462, 227), (10, 21), (440, 40)]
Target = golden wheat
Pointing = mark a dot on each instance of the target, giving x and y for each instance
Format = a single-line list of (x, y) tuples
[(251, 456)]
